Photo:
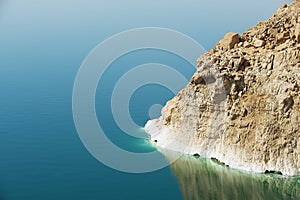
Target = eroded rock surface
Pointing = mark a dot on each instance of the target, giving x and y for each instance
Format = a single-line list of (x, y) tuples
[(242, 105)]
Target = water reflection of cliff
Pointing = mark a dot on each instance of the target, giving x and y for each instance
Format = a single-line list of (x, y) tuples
[(204, 179)]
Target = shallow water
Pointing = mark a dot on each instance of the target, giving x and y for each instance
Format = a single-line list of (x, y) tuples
[(204, 179)]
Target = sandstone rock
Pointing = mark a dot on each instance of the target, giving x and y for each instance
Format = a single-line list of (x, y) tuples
[(197, 79), (229, 40), (259, 43), (282, 37), (246, 44), (297, 32), (242, 105), (273, 32), (284, 5)]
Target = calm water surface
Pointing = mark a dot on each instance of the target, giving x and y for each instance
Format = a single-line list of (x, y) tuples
[(41, 156), (204, 179)]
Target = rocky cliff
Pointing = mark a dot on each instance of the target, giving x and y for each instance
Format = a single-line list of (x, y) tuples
[(242, 105)]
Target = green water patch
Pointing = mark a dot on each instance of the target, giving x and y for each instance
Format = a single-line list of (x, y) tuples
[(201, 178)]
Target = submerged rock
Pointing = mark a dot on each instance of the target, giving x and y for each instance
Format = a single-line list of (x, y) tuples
[(242, 106)]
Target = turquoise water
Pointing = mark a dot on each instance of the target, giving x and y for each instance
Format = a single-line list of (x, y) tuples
[(42, 47), (42, 156)]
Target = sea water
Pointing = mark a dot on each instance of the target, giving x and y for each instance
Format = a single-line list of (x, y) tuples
[(41, 155)]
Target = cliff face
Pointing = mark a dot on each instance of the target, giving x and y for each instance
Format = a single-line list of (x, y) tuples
[(242, 105)]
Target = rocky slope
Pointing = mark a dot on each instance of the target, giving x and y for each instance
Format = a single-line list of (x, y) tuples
[(242, 105)]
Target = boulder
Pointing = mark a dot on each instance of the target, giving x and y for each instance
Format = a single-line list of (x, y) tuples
[(259, 43), (229, 41)]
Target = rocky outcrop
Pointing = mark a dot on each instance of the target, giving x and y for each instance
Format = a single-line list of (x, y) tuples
[(229, 41), (242, 105)]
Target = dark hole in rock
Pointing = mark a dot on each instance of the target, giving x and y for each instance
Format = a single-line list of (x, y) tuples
[(196, 155), (245, 112), (273, 172)]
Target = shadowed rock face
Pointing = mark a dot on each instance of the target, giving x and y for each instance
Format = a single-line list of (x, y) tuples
[(204, 179), (242, 106)]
